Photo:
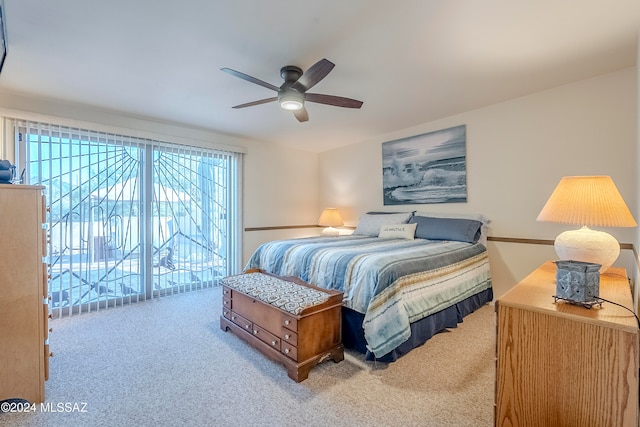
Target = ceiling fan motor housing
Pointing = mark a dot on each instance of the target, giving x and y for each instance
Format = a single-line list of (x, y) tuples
[(290, 73)]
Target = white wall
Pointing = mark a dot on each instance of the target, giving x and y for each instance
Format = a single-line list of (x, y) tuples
[(280, 185), (281, 189), (517, 151)]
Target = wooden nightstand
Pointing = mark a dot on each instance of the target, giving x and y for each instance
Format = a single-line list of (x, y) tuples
[(560, 364)]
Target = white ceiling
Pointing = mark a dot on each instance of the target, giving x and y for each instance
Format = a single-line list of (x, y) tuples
[(410, 61)]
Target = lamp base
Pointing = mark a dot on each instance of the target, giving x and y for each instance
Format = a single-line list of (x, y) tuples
[(330, 231), (588, 245)]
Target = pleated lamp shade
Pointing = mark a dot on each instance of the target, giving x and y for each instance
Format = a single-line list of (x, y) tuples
[(330, 217), (587, 200)]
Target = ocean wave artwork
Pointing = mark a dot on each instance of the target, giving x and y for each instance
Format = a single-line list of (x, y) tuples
[(427, 168)]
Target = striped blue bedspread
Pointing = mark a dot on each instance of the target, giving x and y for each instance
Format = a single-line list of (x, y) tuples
[(393, 282)]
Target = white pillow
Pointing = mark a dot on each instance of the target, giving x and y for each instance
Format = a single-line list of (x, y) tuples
[(370, 224), (398, 231)]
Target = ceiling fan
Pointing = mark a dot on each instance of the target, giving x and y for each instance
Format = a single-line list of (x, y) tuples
[(292, 94)]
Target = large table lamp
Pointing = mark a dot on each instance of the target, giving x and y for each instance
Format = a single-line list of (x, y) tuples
[(330, 218), (587, 201)]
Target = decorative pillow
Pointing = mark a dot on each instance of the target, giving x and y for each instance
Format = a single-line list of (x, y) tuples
[(370, 224), (484, 230), (459, 229), (398, 231)]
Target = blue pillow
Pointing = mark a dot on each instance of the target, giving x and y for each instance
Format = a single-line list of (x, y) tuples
[(459, 229)]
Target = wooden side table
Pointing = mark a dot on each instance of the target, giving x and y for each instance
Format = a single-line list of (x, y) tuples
[(560, 364)]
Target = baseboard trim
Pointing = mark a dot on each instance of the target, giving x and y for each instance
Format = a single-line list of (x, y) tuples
[(527, 241), (279, 227), (289, 227)]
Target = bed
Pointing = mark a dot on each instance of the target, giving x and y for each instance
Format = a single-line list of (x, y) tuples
[(404, 277)]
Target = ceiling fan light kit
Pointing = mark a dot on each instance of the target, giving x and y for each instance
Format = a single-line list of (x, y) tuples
[(292, 94), (291, 99)]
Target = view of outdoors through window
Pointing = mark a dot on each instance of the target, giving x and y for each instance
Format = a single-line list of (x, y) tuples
[(128, 219)]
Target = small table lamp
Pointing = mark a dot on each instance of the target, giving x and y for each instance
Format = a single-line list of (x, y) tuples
[(587, 200), (330, 218)]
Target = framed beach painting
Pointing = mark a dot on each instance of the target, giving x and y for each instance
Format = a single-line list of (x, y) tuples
[(3, 41), (427, 168)]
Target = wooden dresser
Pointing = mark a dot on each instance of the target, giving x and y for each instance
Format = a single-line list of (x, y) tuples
[(24, 309), (298, 341), (560, 364)]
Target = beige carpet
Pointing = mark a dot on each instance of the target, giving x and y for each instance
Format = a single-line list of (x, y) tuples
[(166, 362)]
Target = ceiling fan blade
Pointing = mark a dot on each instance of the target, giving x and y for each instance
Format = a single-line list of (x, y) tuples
[(337, 101), (302, 115), (248, 78), (314, 74), (251, 104)]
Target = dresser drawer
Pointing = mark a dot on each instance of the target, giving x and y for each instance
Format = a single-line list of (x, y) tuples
[(266, 337), (289, 336), (45, 279), (290, 351), (290, 322), (227, 303), (226, 292), (241, 321), (47, 353)]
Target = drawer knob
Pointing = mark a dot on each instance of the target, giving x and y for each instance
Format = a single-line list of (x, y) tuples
[(255, 332), (233, 317), (225, 303), (247, 326), (286, 350), (273, 343), (51, 354), (50, 330), (286, 322), (286, 336)]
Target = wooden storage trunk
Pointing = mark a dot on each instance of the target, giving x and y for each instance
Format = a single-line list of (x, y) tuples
[(290, 321)]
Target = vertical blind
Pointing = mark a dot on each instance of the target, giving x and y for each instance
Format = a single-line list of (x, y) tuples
[(130, 219)]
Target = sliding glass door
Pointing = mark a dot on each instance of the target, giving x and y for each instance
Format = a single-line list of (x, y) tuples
[(130, 219), (190, 224)]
